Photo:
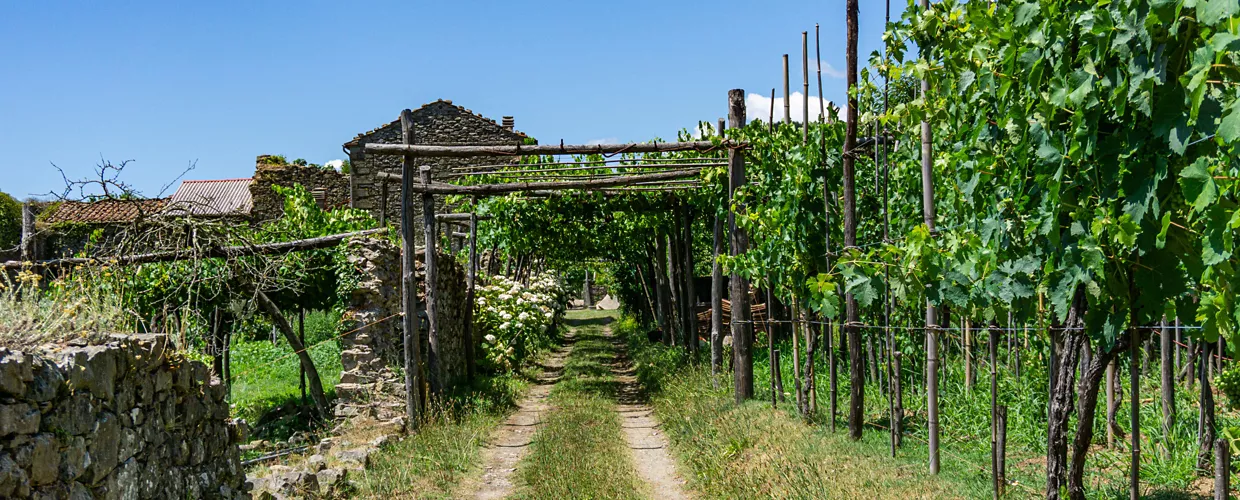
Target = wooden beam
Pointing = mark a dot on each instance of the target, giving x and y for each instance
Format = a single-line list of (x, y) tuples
[(518, 171), (513, 187), (461, 217), (207, 253), (421, 150)]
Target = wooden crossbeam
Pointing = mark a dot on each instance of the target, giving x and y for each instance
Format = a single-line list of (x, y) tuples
[(423, 150), (282, 247), (459, 217), (514, 187)]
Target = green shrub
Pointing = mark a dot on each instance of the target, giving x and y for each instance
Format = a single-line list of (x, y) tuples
[(10, 221)]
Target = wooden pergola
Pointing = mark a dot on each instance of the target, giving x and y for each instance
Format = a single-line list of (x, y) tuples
[(551, 177)]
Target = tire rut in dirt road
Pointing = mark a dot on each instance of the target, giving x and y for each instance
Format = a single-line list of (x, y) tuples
[(648, 445), (510, 442)]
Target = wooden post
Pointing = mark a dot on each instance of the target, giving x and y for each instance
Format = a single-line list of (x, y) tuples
[(661, 290), (970, 375), (770, 346), (897, 422), (1222, 469), (434, 361), (282, 324), (805, 86), (587, 301), (932, 331), (1168, 384), (716, 299), (856, 365), (742, 329), (1134, 397), (822, 106), (301, 334), (28, 250), (471, 344), (787, 96), (1001, 430), (1110, 425), (770, 123), (777, 376), (409, 295), (796, 368), (690, 292), (383, 202), (994, 410)]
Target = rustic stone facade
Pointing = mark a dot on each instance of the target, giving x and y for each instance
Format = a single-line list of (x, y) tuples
[(438, 123), (331, 188), (370, 386), (127, 419)]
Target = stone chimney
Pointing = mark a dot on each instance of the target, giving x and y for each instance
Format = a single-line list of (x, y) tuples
[(508, 123)]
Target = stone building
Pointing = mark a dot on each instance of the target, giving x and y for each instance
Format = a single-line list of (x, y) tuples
[(438, 123)]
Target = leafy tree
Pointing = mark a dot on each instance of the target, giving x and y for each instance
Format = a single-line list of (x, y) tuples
[(10, 221)]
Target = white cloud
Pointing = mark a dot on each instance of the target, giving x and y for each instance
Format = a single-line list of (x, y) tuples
[(334, 164), (605, 140), (830, 71), (758, 107)]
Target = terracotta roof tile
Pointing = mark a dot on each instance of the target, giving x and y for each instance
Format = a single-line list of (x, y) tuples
[(105, 211), (424, 106), (212, 198)]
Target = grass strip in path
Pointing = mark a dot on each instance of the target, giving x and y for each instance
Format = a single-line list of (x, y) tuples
[(580, 450), (446, 449)]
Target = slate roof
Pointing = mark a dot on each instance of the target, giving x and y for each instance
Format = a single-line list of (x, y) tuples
[(425, 106), (212, 198), (105, 211)]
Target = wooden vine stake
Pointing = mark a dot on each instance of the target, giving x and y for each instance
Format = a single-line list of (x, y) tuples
[(690, 293), (1134, 403), (932, 329), (777, 384), (787, 98), (1168, 385), (742, 329), (716, 293), (1222, 469), (409, 295), (805, 87), (856, 365)]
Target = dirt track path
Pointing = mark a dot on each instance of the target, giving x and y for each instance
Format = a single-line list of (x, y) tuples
[(510, 442), (647, 444)]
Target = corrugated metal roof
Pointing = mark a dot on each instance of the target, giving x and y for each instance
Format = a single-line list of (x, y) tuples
[(105, 211), (212, 198)]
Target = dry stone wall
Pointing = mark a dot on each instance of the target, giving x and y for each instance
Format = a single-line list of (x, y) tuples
[(333, 186), (127, 419), (370, 385)]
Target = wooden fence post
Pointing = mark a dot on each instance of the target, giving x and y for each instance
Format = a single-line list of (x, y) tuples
[(301, 334), (856, 364), (409, 295), (29, 252), (1168, 384), (742, 328), (434, 361), (787, 98)]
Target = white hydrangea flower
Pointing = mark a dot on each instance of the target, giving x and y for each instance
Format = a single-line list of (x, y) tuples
[(490, 338)]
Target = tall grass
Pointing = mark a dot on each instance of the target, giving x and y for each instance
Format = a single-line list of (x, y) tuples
[(434, 461)]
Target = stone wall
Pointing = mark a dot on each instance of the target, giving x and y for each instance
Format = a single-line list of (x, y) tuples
[(127, 419), (440, 123), (370, 385), (268, 205)]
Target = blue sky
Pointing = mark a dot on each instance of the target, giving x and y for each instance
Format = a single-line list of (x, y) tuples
[(167, 84)]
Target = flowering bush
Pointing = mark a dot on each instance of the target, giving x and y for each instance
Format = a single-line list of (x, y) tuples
[(515, 320)]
